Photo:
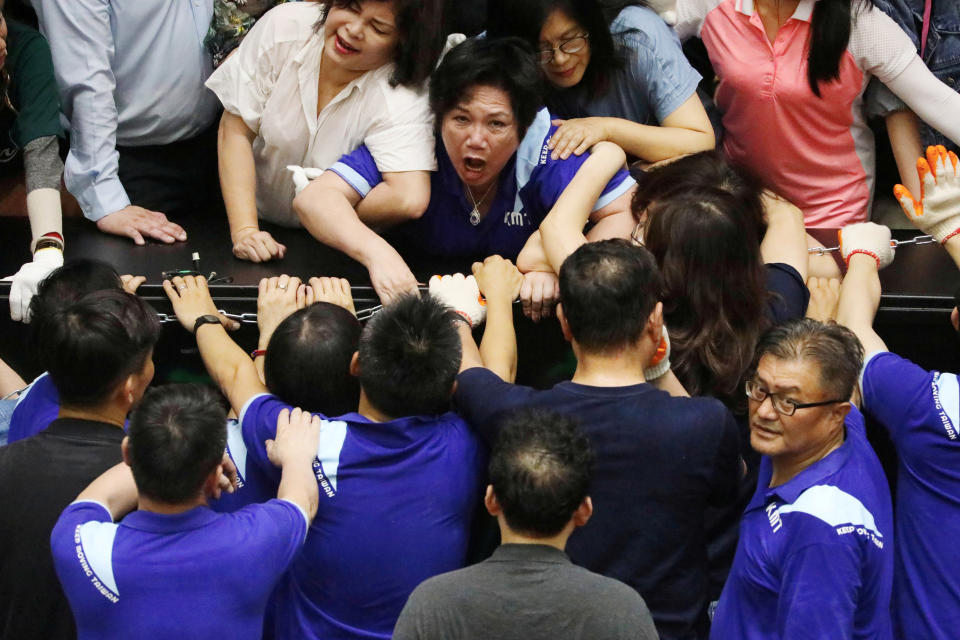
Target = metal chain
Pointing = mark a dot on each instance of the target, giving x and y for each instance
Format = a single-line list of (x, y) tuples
[(822, 251)]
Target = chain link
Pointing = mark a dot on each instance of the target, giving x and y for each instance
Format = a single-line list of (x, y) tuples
[(822, 251)]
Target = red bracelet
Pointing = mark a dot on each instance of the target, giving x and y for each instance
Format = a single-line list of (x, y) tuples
[(53, 234), (950, 235), (462, 315), (256, 353), (865, 252)]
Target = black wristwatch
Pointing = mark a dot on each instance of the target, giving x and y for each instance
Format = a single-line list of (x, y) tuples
[(207, 319)]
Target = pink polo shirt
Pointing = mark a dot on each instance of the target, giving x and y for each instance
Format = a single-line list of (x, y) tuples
[(816, 152)]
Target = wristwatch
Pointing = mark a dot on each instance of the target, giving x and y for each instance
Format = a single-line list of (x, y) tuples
[(207, 319)]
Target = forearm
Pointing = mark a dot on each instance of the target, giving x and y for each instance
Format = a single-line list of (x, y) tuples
[(228, 365), (933, 101), (470, 354), (655, 143), (331, 218), (114, 488), (786, 238), (238, 178), (860, 299), (400, 197), (298, 485), (904, 132), (562, 230), (43, 169), (498, 347)]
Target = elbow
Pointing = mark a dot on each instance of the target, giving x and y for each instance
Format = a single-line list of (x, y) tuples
[(412, 205)]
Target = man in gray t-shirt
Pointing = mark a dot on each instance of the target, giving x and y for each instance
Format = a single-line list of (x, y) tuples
[(529, 589)]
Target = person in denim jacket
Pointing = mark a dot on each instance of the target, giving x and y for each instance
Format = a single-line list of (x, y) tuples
[(941, 53)]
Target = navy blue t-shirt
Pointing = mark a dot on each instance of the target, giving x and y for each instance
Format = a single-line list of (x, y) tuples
[(36, 408), (397, 501), (815, 556), (530, 184), (660, 461), (921, 411)]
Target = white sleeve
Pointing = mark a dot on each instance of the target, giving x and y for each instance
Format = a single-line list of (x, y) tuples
[(933, 101), (81, 43), (401, 138), (690, 16), (246, 78), (879, 46)]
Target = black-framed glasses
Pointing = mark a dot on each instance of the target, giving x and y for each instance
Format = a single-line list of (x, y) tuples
[(783, 406), (573, 45)]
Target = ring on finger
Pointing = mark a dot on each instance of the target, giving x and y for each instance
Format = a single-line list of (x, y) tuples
[(181, 287), (282, 287)]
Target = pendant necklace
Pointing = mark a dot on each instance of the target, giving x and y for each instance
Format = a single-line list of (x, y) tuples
[(475, 214)]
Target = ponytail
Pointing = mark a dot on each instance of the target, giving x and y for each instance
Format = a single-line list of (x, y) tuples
[(829, 37)]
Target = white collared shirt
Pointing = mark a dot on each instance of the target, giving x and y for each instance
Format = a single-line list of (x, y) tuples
[(271, 82), (130, 72)]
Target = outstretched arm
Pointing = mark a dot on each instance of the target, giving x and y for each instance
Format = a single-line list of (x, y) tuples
[(115, 489), (786, 238), (228, 364), (499, 282), (327, 208)]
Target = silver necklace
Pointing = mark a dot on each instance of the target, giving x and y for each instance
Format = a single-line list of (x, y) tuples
[(475, 214)]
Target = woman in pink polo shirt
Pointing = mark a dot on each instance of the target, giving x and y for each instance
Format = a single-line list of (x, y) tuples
[(792, 76)]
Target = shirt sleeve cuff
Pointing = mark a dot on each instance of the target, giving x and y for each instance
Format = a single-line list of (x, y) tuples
[(96, 502), (102, 199), (351, 177), (625, 185), (306, 520)]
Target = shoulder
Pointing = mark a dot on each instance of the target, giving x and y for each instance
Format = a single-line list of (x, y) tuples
[(288, 24), (22, 37), (878, 44), (637, 26), (827, 514)]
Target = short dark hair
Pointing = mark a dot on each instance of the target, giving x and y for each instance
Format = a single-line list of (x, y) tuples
[(608, 290), (420, 26), (505, 63), (90, 346), (67, 284), (307, 363), (834, 348), (409, 357), (540, 470), (177, 437)]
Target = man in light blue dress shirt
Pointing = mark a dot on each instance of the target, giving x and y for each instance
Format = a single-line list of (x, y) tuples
[(142, 124)]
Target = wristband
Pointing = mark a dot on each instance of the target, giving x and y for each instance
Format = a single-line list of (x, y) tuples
[(207, 319), (48, 243), (865, 252), (256, 353), (462, 315)]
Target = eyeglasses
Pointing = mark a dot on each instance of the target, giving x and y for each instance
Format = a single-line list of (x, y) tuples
[(783, 406), (636, 237), (573, 45)]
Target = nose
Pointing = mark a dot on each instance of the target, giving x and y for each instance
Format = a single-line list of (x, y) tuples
[(354, 28), (475, 137), (559, 57), (766, 410)]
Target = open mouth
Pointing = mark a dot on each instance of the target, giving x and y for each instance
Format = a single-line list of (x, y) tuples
[(342, 46)]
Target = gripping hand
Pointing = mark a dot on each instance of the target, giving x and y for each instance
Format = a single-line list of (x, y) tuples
[(660, 362), (302, 176), (461, 294), (23, 284), (869, 238), (938, 212)]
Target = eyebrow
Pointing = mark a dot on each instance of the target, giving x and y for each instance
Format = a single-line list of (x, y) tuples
[(383, 25)]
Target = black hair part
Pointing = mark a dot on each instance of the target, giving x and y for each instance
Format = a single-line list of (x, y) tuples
[(508, 64), (307, 363), (830, 27), (525, 19), (91, 346), (608, 290), (409, 357), (420, 27), (540, 470), (177, 438)]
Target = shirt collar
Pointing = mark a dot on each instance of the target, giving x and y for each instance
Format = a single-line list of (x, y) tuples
[(170, 523), (86, 429), (529, 552), (803, 12), (815, 474)]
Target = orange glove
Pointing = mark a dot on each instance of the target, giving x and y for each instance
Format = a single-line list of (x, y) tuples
[(938, 212)]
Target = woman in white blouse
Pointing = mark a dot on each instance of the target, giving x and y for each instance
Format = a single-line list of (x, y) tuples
[(310, 83)]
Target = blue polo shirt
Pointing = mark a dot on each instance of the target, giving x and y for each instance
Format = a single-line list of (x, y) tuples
[(253, 485), (530, 184), (36, 408), (396, 505), (815, 556), (921, 411), (183, 576)]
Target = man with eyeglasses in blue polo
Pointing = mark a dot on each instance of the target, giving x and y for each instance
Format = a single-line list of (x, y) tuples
[(815, 556)]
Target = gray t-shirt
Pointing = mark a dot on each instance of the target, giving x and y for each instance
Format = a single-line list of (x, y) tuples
[(526, 592)]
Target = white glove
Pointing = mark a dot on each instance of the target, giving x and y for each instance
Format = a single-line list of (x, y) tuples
[(23, 284), (869, 238), (938, 212), (660, 362), (461, 294), (302, 176)]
